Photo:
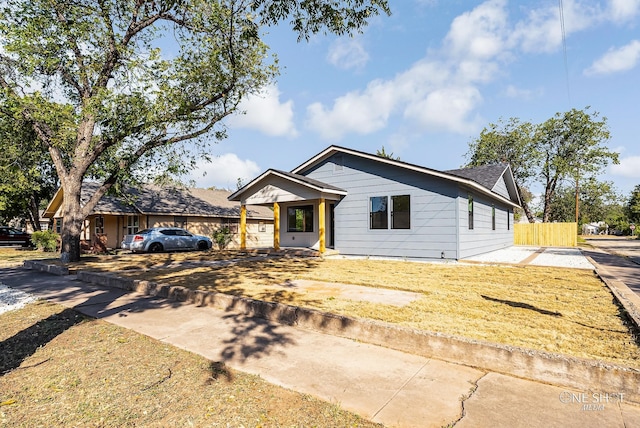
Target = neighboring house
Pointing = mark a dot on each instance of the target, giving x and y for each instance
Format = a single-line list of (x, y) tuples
[(362, 204), (200, 211)]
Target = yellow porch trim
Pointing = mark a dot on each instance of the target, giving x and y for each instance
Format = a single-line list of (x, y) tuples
[(276, 226), (322, 226), (243, 227)]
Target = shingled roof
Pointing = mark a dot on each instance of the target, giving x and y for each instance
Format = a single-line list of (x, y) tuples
[(485, 175), (188, 202)]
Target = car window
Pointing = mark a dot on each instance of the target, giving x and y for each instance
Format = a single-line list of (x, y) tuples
[(143, 232), (168, 232), (183, 233)]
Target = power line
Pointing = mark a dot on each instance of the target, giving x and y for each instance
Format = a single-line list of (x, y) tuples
[(564, 47)]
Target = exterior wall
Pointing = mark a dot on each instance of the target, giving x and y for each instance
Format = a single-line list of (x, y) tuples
[(433, 205), (299, 239), (482, 238), (115, 227), (501, 188)]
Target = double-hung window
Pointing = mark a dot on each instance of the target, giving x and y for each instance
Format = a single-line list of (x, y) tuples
[(133, 224), (401, 212), (99, 225)]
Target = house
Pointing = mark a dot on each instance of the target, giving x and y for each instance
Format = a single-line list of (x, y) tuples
[(201, 211), (366, 205)]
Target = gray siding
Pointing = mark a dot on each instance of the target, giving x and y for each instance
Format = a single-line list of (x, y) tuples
[(482, 238), (501, 188), (434, 216)]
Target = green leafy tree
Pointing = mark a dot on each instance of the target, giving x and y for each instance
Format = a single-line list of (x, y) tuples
[(573, 147), (135, 107), (29, 179), (597, 201), (632, 209), (384, 154), (569, 146), (510, 142)]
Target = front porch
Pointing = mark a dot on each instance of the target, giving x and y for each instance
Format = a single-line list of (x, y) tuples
[(303, 209)]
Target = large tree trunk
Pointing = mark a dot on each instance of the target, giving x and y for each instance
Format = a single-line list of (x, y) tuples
[(72, 219)]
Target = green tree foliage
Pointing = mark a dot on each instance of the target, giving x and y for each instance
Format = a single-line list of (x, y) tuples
[(29, 178), (134, 107), (509, 142), (569, 147), (573, 147), (384, 154), (597, 202), (632, 209)]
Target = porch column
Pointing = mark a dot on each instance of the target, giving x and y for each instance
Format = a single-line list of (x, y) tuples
[(322, 226), (243, 227), (276, 226)]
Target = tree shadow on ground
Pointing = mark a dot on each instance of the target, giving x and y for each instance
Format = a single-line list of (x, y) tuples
[(16, 349), (522, 305)]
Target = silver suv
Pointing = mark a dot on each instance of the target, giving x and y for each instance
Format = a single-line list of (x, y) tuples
[(165, 239)]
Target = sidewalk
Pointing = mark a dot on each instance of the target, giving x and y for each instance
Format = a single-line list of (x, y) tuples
[(386, 386)]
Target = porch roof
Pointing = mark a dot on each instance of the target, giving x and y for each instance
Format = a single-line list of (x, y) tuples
[(280, 186)]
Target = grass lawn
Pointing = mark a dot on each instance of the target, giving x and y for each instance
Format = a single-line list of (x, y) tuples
[(567, 311), (58, 368), (15, 256)]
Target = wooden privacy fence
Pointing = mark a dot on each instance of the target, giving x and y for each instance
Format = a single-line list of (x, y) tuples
[(546, 234)]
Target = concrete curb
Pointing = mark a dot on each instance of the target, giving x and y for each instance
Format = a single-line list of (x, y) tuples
[(623, 294), (539, 366), (44, 267)]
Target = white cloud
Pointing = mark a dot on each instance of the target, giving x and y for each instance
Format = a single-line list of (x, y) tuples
[(223, 171), (616, 60), (348, 53), (522, 94), (442, 91), (478, 33), (623, 10), (628, 167), (265, 113)]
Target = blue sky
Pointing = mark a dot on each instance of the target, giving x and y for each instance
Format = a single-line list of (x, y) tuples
[(425, 81)]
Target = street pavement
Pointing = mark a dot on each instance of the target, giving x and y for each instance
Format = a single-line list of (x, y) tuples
[(383, 385)]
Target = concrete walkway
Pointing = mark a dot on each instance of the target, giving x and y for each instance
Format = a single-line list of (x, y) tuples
[(386, 386)]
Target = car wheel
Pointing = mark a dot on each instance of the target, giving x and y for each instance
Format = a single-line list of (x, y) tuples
[(155, 247), (202, 245)]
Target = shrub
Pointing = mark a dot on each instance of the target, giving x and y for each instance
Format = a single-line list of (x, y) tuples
[(46, 240), (222, 237)]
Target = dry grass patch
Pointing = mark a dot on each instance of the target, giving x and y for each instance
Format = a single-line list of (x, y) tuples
[(85, 372), (568, 311), (16, 256)]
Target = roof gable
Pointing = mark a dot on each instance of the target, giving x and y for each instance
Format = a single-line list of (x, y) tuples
[(483, 180)]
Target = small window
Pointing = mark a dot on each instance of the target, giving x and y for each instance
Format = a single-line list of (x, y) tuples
[(232, 224), (133, 224), (493, 218), (300, 219), (401, 212), (378, 212), (508, 219), (58, 225), (99, 225), (470, 209), (262, 227), (180, 222)]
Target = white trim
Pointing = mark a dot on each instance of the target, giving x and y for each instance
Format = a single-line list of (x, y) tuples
[(337, 149)]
